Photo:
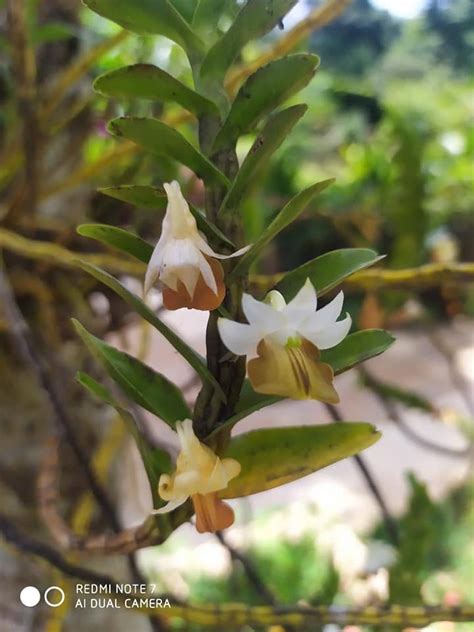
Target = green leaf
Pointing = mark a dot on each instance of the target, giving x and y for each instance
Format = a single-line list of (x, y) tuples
[(357, 348), (144, 81), (284, 218), (158, 17), (264, 91), (141, 383), (155, 460), (268, 140), (158, 138), (207, 14), (118, 238), (139, 195), (327, 271), (155, 198), (274, 456), (191, 356), (354, 349), (255, 19), (53, 32), (186, 8)]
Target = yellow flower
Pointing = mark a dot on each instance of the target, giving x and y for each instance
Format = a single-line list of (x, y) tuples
[(199, 474), (183, 261), (286, 339)]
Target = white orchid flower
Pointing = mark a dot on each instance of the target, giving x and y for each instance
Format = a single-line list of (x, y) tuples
[(183, 260), (284, 341), (199, 474)]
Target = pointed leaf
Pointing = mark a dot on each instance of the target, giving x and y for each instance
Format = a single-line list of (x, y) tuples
[(158, 138), (327, 271), (144, 81), (274, 456), (139, 195), (354, 349), (357, 348), (155, 460), (118, 238), (155, 198), (255, 19), (157, 17), (191, 356), (284, 218), (264, 91), (141, 383), (270, 138)]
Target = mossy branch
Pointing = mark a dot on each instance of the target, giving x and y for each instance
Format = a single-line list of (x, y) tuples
[(425, 276), (422, 277), (231, 616), (58, 255)]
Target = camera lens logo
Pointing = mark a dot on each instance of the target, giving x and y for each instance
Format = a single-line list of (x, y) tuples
[(30, 596)]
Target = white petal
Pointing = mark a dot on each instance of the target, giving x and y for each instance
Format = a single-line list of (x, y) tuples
[(201, 243), (207, 273), (232, 468), (181, 221), (154, 267), (181, 252), (239, 338), (189, 276), (224, 470), (276, 300), (326, 316), (303, 305), (331, 335), (217, 479), (185, 432), (260, 314), (173, 504), (237, 253)]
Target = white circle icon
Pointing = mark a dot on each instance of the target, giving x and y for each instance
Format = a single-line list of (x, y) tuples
[(57, 601), (30, 596)]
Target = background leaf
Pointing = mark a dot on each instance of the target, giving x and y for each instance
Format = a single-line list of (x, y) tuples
[(155, 460), (185, 7), (151, 390), (118, 238), (256, 18), (327, 271), (285, 217), (158, 17), (159, 139), (268, 140), (139, 195), (193, 358), (264, 91), (145, 81), (356, 348), (274, 456)]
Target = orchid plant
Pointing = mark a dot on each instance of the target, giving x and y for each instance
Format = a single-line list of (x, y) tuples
[(260, 348)]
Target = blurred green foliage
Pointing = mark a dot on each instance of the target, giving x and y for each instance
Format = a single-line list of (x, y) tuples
[(434, 561), (292, 571)]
